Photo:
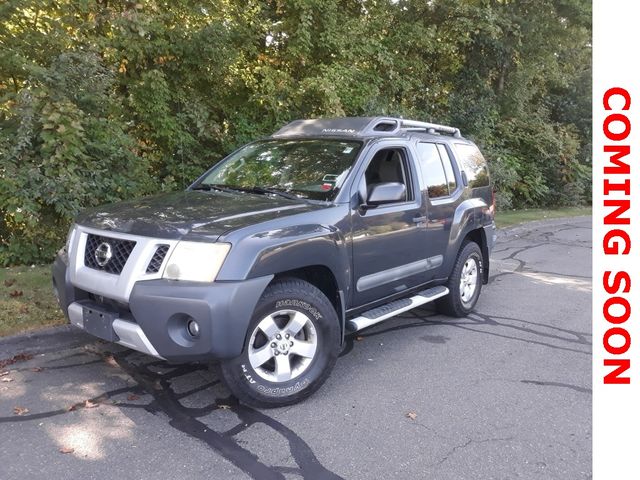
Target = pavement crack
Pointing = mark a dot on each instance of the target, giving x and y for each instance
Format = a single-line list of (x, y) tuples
[(102, 399), (185, 419), (579, 336), (558, 384), (464, 445)]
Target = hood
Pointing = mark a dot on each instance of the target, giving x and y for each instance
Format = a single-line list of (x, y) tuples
[(203, 215)]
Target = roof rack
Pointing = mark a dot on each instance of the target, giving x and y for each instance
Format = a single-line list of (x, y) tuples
[(393, 125), (429, 127), (361, 126)]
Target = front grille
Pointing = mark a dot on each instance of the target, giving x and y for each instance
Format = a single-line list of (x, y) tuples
[(119, 253), (156, 261)]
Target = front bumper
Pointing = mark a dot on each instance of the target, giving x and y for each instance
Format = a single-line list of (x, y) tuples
[(155, 319)]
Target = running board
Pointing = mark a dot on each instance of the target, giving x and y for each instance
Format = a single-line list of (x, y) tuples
[(379, 314)]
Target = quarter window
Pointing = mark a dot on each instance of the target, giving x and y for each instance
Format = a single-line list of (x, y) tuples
[(436, 170), (474, 165)]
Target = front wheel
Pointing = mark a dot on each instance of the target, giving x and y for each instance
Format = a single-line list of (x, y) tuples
[(464, 283), (291, 347)]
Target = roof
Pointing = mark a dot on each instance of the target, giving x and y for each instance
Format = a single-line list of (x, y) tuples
[(361, 127)]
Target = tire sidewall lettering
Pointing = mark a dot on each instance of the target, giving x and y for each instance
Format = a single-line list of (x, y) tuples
[(294, 302)]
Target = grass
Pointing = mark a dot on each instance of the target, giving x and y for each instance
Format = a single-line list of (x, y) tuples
[(26, 300), (514, 217)]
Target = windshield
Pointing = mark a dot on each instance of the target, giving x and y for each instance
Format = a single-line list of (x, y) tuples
[(313, 169)]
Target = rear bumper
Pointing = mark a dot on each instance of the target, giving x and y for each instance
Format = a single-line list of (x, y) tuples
[(158, 312)]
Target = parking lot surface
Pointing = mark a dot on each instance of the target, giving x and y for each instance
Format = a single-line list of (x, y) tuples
[(502, 394)]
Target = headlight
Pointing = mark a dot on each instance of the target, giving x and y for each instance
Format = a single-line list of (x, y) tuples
[(195, 261), (70, 235)]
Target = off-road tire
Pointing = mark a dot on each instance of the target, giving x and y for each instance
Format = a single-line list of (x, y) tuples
[(453, 304), (291, 294)]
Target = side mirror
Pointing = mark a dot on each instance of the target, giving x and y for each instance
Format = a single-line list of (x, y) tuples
[(388, 192)]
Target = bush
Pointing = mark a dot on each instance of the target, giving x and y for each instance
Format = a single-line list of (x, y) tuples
[(67, 153), (101, 101)]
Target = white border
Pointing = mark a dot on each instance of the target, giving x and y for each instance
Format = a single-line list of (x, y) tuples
[(616, 408)]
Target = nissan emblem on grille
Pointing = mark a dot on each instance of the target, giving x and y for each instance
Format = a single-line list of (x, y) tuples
[(103, 254)]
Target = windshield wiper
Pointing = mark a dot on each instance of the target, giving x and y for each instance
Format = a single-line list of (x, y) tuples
[(253, 189), (273, 191), (220, 188)]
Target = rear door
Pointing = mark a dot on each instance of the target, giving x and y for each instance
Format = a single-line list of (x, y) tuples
[(441, 191), (388, 242)]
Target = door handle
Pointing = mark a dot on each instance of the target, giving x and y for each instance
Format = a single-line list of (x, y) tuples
[(420, 219)]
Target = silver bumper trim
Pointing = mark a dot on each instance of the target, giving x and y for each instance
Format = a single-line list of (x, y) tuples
[(75, 315), (130, 335), (117, 287)]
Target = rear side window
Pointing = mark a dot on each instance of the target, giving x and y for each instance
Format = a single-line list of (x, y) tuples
[(448, 168), (436, 168), (473, 164)]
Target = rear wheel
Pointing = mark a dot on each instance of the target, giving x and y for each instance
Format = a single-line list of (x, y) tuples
[(464, 283), (291, 347)]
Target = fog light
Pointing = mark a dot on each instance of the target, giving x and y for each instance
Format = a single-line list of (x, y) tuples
[(193, 328)]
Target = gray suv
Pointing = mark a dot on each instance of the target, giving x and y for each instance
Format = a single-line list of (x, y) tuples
[(290, 243)]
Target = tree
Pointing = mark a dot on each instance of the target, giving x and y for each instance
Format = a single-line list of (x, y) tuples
[(103, 100)]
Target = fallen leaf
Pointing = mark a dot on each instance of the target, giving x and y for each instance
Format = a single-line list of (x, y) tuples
[(6, 372), (20, 357), (72, 408), (359, 339), (133, 397), (412, 415), (109, 360), (36, 369), (16, 293), (67, 450), (7, 380), (90, 404), (9, 281), (24, 309), (20, 410)]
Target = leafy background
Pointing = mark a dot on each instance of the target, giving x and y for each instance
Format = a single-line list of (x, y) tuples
[(106, 100)]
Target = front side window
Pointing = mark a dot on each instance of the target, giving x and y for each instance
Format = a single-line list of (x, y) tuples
[(308, 168), (388, 165)]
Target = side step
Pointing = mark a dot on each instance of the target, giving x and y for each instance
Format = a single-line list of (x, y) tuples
[(376, 315)]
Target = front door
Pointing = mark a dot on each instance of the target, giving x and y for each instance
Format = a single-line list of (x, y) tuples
[(388, 240)]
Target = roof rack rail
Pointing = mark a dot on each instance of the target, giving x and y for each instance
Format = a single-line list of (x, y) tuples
[(363, 126), (394, 125), (429, 127)]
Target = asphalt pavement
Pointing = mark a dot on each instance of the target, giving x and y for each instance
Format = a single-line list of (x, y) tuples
[(502, 394)]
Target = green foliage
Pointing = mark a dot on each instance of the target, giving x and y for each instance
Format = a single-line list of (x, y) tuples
[(101, 101)]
